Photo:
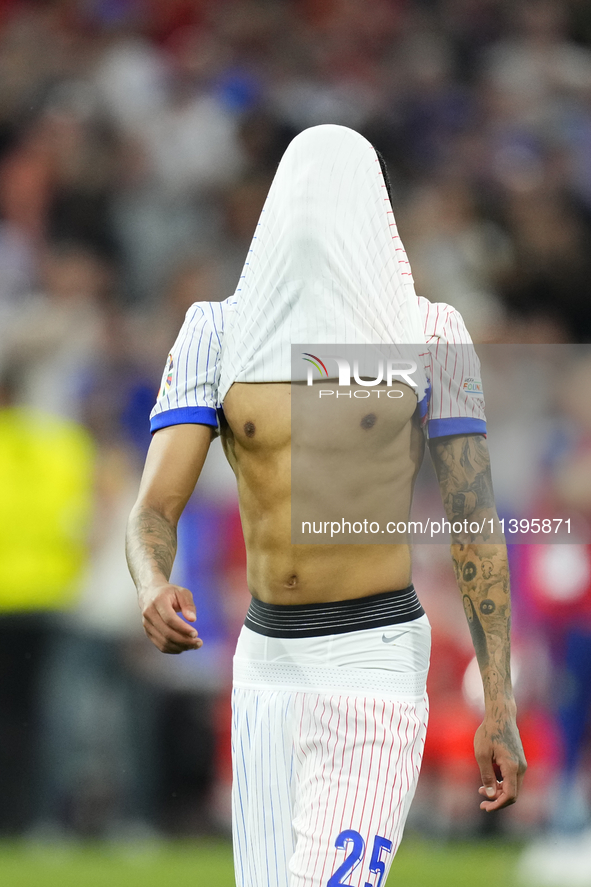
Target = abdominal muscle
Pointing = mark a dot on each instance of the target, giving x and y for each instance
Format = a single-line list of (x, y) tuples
[(256, 436)]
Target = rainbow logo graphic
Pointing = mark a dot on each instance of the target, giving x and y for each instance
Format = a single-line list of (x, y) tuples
[(166, 384), (315, 361)]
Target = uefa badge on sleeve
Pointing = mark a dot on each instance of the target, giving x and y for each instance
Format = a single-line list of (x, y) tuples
[(168, 382), (167, 378), (472, 386)]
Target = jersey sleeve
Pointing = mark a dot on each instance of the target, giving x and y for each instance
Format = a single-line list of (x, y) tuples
[(456, 399), (189, 388)]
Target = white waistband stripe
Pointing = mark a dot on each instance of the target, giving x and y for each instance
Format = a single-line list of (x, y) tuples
[(266, 675)]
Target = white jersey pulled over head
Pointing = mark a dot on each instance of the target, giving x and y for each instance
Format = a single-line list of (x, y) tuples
[(326, 264)]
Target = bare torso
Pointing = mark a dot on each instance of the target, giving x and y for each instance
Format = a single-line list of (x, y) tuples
[(375, 446)]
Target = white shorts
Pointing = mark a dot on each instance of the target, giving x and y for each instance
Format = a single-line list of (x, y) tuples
[(327, 740)]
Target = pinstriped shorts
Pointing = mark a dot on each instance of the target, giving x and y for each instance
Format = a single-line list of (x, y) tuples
[(327, 739)]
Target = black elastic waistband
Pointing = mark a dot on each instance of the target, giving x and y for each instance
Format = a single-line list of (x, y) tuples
[(336, 617)]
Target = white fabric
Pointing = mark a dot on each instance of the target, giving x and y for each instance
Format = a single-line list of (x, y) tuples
[(456, 401), (326, 266), (191, 374), (192, 383), (326, 263), (313, 762)]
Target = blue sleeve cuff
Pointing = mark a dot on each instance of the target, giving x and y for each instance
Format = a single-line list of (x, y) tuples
[(184, 416), (455, 425)]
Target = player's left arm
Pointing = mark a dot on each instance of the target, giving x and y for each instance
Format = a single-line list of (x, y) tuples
[(480, 562)]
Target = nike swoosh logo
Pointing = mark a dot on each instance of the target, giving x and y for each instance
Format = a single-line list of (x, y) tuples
[(394, 636)]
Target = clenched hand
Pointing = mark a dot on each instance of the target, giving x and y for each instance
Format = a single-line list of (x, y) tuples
[(499, 753), (160, 606)]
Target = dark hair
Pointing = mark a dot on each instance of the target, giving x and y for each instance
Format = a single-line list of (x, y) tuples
[(385, 173)]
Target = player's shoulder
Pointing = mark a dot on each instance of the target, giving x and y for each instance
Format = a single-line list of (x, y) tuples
[(443, 322), (209, 317)]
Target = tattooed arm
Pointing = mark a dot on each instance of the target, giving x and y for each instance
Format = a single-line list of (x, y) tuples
[(173, 465), (480, 563)]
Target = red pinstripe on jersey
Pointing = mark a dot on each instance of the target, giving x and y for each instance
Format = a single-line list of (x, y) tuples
[(449, 360)]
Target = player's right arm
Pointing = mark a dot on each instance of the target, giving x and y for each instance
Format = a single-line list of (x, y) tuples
[(183, 421), (172, 468)]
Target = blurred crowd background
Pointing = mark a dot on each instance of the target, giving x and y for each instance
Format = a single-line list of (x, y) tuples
[(138, 140)]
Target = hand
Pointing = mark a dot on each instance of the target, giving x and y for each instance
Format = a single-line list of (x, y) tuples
[(165, 629), (499, 753)]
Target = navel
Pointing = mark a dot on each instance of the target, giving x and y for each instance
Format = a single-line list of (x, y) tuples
[(249, 429), (369, 421), (292, 581)]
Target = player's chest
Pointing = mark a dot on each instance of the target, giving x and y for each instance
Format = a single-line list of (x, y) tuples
[(351, 418), (258, 415), (275, 415)]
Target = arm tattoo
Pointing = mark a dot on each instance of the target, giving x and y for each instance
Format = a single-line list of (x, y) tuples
[(463, 470), (480, 564), (482, 572), (477, 632), (483, 577), (151, 545)]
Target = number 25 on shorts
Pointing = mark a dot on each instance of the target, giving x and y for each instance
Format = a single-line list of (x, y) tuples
[(356, 855)]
